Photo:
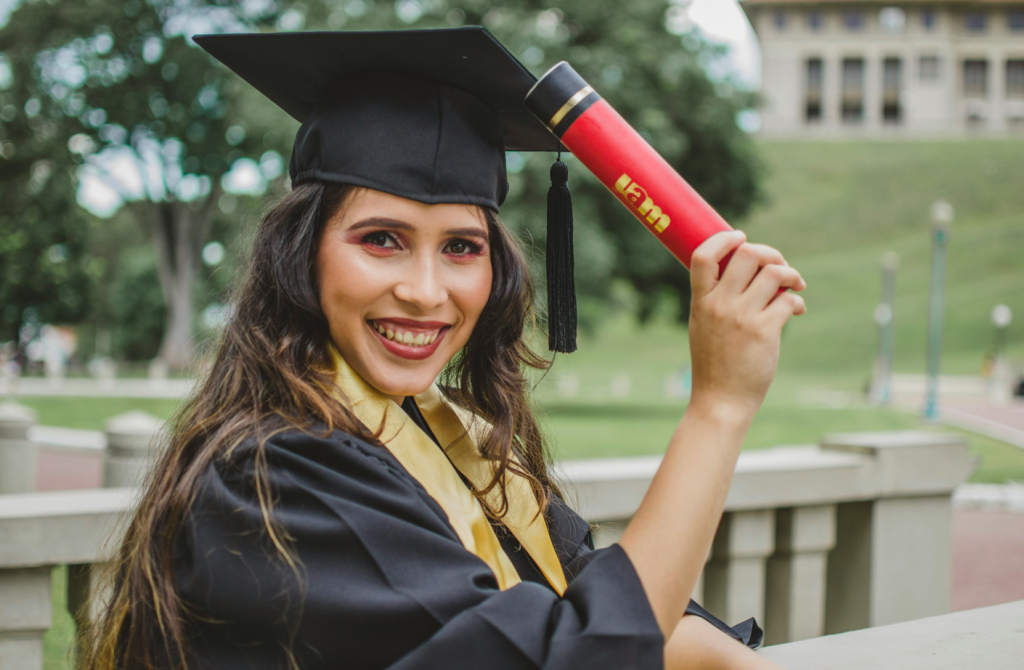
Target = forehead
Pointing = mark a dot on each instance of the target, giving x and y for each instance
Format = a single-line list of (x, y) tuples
[(366, 203)]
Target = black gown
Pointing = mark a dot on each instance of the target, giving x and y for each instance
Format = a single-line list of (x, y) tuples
[(383, 580)]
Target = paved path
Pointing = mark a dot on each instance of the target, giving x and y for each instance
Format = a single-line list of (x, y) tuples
[(1005, 423)]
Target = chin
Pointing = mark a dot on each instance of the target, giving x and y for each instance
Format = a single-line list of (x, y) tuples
[(394, 380)]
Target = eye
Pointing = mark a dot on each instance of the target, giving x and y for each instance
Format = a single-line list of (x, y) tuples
[(381, 239), (460, 247)]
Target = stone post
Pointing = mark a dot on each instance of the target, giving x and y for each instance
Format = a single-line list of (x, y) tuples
[(26, 614), (132, 442), (17, 453), (795, 608), (892, 558), (734, 578)]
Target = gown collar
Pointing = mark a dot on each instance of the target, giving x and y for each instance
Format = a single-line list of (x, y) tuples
[(458, 432)]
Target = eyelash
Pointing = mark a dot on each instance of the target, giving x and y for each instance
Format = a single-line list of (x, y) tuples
[(380, 239)]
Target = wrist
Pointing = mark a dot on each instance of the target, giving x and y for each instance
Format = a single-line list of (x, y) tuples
[(725, 413)]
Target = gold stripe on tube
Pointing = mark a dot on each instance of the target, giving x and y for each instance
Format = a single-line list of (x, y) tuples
[(567, 107)]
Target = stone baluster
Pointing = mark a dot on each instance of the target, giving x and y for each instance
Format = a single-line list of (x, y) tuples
[(795, 607), (132, 442), (892, 559), (25, 615), (734, 578), (17, 453)]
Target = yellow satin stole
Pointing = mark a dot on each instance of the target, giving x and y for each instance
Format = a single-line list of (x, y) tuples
[(455, 429)]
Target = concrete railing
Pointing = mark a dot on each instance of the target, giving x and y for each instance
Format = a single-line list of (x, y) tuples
[(853, 533), (989, 638)]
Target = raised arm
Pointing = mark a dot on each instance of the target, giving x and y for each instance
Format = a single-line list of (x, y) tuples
[(735, 325)]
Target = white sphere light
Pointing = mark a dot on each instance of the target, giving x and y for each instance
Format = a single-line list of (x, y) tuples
[(883, 314), (213, 253), (1001, 316), (942, 212)]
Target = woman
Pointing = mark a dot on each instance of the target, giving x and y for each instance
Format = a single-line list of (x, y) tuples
[(323, 504)]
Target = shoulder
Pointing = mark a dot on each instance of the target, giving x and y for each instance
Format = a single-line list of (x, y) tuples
[(313, 454)]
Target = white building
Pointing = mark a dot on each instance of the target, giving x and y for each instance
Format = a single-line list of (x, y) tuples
[(841, 68)]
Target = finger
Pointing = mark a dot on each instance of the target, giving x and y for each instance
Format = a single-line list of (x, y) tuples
[(745, 263), (769, 280), (785, 306), (704, 262)]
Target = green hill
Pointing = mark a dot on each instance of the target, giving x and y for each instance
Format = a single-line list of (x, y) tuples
[(833, 208)]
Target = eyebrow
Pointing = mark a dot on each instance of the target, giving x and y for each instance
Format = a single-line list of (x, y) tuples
[(392, 224)]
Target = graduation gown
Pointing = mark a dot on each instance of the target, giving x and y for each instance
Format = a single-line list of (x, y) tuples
[(383, 580)]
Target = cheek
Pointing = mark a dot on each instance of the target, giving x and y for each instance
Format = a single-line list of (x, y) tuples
[(474, 291), (347, 288)]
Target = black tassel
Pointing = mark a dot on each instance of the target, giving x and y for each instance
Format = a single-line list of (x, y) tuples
[(560, 265)]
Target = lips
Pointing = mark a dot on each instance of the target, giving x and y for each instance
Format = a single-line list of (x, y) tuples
[(409, 338)]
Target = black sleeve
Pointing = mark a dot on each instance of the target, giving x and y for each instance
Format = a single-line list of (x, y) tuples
[(383, 581), (574, 545)]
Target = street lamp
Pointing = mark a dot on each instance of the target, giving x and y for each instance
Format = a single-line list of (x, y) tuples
[(942, 217), (881, 390), (999, 384)]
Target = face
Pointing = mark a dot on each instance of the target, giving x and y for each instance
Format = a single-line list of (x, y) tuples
[(402, 285)]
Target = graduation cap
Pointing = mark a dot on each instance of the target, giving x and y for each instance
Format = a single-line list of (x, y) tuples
[(422, 114)]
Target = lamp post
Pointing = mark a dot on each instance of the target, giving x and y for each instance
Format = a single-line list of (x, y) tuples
[(999, 383), (942, 216), (885, 314)]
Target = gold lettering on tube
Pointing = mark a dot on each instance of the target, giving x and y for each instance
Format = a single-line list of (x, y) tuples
[(644, 205)]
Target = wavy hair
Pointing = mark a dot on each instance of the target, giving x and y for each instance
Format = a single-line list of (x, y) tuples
[(273, 372)]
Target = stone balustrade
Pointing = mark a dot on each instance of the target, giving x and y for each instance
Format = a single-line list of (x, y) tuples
[(988, 637), (852, 533)]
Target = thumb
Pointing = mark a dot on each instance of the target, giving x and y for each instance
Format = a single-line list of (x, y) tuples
[(705, 262)]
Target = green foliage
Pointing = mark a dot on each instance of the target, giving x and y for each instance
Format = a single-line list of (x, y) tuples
[(138, 315)]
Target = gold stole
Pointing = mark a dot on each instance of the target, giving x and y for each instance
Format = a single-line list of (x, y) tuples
[(454, 428)]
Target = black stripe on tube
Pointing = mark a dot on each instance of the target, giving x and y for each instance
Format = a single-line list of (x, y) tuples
[(560, 97)]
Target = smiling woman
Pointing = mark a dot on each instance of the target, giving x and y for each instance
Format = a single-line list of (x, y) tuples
[(403, 285), (359, 481)]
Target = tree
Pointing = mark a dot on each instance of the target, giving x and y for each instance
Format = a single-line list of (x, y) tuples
[(122, 86), (45, 272)]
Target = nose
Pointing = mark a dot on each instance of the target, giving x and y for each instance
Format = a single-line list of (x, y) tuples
[(422, 284)]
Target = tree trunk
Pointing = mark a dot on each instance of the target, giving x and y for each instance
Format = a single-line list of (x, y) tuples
[(178, 233)]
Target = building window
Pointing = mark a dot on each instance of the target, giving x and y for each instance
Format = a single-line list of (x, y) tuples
[(853, 90), (1015, 79), (892, 82), (928, 19), (928, 68), (893, 20), (853, 20), (1015, 20), (814, 21), (975, 21), (976, 78), (815, 76), (779, 19)]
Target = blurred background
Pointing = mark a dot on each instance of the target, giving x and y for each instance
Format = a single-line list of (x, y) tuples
[(133, 171), (879, 147)]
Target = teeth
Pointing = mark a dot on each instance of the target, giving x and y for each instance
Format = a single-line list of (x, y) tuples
[(406, 337)]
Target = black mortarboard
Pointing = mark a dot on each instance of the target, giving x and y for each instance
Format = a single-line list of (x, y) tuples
[(423, 114)]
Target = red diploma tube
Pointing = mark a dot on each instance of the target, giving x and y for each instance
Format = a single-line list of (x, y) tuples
[(624, 162)]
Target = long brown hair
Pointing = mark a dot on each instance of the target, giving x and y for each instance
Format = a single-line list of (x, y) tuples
[(273, 372)]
